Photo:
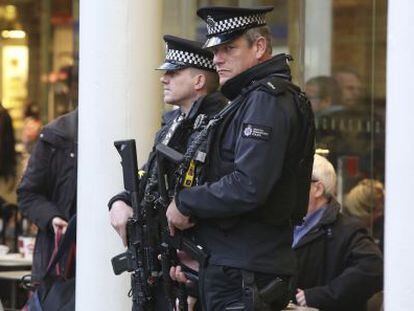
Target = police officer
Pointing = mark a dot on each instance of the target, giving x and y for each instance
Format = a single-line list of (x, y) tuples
[(255, 179), (190, 82)]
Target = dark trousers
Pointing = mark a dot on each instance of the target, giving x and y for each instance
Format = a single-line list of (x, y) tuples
[(221, 288)]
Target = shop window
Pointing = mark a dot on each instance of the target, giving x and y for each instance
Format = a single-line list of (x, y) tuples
[(344, 61)]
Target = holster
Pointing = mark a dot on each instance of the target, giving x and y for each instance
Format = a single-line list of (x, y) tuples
[(274, 296)]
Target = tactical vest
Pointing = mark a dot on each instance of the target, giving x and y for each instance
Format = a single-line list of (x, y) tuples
[(288, 200)]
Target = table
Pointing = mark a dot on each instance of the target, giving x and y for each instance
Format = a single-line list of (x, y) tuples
[(11, 262), (14, 277)]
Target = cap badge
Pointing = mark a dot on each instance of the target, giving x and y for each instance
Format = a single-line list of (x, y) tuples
[(210, 21)]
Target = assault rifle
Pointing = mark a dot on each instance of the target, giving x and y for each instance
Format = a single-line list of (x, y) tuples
[(170, 244), (148, 234), (138, 257)]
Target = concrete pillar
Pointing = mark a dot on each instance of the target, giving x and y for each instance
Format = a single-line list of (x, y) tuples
[(399, 209), (119, 98), (318, 33)]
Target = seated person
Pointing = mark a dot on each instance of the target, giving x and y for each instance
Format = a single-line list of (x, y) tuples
[(340, 267), (366, 202)]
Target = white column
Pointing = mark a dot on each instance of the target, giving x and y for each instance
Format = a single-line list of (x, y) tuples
[(399, 212), (119, 98), (318, 38)]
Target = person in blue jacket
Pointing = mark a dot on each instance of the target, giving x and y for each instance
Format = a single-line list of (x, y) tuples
[(340, 267), (256, 173)]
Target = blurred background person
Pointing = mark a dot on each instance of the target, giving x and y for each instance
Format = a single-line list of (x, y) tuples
[(324, 94), (47, 192), (8, 158), (351, 87), (31, 127), (366, 202)]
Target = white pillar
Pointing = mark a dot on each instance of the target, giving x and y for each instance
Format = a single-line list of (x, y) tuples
[(318, 38), (119, 98), (399, 212)]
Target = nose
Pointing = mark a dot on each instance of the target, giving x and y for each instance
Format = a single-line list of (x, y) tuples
[(164, 79), (218, 57)]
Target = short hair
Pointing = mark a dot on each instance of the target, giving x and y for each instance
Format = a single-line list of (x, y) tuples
[(362, 199), (346, 70), (327, 87), (253, 34), (212, 78), (324, 172)]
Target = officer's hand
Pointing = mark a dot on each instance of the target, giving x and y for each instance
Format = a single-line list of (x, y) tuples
[(191, 303), (176, 219), (59, 223), (300, 298), (119, 215), (176, 274)]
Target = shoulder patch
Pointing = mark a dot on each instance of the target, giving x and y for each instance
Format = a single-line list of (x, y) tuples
[(256, 131)]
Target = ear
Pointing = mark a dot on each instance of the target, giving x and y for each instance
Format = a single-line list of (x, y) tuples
[(260, 46), (319, 189), (199, 81)]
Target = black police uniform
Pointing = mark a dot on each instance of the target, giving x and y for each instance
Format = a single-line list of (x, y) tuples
[(178, 128), (250, 190)]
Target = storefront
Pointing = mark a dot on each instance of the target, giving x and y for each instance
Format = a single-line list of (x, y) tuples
[(339, 49)]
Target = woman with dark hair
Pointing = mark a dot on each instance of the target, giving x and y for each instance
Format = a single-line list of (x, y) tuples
[(8, 161)]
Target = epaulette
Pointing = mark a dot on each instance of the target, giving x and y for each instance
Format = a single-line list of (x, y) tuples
[(276, 85)]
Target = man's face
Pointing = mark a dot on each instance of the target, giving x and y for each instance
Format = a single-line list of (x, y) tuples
[(312, 91), (233, 58), (178, 86), (351, 88)]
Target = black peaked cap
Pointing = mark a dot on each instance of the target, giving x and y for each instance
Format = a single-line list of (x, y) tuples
[(227, 23), (182, 53)]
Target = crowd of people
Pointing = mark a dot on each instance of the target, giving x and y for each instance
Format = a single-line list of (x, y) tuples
[(252, 193)]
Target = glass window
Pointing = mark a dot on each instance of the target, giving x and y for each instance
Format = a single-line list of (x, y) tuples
[(345, 43)]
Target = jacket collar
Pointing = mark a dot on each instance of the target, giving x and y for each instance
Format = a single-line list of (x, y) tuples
[(329, 217), (277, 65), (209, 104)]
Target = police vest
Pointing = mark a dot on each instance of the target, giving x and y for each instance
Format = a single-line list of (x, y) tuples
[(288, 200)]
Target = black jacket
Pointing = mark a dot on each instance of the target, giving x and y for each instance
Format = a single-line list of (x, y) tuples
[(48, 187), (340, 267), (207, 106), (246, 167)]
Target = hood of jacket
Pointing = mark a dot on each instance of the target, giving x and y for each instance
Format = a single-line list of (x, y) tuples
[(63, 130)]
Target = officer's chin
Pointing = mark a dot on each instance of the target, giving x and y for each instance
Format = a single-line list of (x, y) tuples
[(169, 101), (223, 79)]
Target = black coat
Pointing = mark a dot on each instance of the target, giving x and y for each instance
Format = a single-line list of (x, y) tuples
[(247, 172), (207, 106), (340, 267), (48, 187)]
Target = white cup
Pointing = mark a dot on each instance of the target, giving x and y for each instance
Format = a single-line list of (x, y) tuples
[(26, 246)]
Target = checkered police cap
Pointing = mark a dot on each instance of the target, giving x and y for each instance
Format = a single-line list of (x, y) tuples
[(227, 23), (183, 53)]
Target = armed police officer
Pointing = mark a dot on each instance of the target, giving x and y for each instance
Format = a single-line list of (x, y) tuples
[(190, 82), (254, 181)]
